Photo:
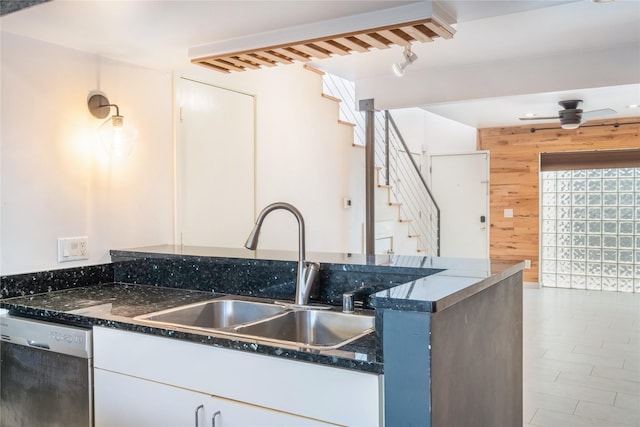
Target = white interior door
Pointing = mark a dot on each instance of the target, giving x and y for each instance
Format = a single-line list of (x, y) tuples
[(215, 165), (460, 185)]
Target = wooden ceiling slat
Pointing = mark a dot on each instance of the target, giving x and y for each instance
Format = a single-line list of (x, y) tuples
[(274, 57), (291, 53), (224, 63), (240, 63), (371, 41), (256, 59), (403, 34), (331, 47), (417, 34), (438, 29), (393, 37), (312, 51), (208, 64), (351, 44)]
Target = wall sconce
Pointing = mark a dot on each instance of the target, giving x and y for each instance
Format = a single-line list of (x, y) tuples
[(116, 138), (409, 58)]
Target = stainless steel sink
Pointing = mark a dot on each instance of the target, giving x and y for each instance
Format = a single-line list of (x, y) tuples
[(276, 323), (310, 328), (214, 314)]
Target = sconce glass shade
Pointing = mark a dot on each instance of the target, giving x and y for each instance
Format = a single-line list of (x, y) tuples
[(116, 138)]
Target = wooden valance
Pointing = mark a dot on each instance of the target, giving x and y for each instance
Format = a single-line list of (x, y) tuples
[(602, 159)]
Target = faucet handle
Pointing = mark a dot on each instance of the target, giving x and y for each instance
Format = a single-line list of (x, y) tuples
[(347, 302), (310, 271)]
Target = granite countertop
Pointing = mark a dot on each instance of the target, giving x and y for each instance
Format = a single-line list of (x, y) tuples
[(115, 305), (167, 276)]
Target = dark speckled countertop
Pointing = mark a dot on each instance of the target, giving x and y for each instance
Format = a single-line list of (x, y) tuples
[(115, 305), (155, 278)]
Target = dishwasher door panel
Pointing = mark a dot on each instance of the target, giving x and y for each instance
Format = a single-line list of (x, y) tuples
[(44, 388)]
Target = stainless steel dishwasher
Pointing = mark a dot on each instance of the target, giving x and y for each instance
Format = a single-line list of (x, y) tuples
[(46, 376)]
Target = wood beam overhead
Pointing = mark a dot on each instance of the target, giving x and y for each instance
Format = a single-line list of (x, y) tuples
[(402, 34)]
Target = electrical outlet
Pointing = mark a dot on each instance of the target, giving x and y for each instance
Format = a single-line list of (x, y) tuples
[(73, 248), (527, 263), (83, 247)]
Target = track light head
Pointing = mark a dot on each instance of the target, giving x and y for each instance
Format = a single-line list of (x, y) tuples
[(409, 58)]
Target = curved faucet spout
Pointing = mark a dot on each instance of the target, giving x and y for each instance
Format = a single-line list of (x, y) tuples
[(306, 270)]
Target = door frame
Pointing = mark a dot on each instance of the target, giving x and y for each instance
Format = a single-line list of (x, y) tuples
[(178, 143), (487, 155)]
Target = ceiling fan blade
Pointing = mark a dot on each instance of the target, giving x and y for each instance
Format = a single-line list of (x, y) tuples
[(598, 113), (538, 118)]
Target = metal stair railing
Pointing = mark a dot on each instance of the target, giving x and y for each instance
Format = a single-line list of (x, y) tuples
[(399, 170), (407, 184)]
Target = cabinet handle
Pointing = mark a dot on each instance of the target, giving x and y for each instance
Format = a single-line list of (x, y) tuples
[(213, 419), (198, 410)]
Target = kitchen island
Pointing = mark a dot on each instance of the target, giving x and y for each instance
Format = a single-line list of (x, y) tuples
[(447, 349)]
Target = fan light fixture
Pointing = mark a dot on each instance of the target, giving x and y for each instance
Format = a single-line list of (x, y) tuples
[(571, 116), (116, 137), (409, 58)]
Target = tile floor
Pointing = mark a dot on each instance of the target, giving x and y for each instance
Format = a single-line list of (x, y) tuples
[(581, 358)]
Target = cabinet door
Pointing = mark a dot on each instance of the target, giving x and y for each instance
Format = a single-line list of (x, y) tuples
[(229, 413), (121, 400), (310, 391)]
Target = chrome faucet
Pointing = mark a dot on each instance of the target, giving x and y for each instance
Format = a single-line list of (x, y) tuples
[(306, 270)]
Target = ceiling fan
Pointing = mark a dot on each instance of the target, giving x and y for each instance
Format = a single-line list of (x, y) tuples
[(571, 117)]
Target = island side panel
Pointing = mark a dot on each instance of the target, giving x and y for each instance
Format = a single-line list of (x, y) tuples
[(407, 391), (476, 359)]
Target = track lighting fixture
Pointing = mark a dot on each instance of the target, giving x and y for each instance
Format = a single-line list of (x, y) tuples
[(117, 138), (409, 58)]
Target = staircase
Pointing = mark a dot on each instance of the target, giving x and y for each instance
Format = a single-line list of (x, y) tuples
[(407, 217)]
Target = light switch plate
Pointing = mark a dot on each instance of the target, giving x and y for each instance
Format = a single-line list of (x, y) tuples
[(508, 213), (73, 248)]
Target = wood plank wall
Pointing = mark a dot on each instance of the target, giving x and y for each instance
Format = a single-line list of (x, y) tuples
[(514, 181)]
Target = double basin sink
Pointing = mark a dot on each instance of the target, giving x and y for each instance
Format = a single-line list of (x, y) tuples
[(288, 325)]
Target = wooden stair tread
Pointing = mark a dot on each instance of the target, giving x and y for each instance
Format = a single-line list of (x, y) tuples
[(332, 98), (313, 69)]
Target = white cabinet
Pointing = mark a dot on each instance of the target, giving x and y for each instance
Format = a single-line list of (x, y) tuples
[(143, 380), (122, 400)]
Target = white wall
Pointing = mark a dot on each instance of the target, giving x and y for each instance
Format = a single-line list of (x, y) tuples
[(55, 182), (430, 134), (433, 134), (303, 156)]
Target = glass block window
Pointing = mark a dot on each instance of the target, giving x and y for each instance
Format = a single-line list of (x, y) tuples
[(590, 229)]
